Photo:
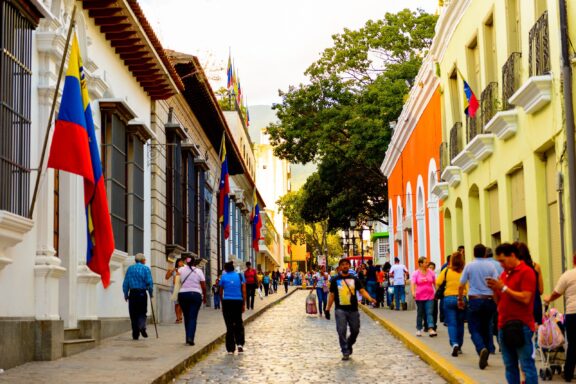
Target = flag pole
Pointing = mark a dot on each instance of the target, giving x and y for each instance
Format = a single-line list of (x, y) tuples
[(52, 109)]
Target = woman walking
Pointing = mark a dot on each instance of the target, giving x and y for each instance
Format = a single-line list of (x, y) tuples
[(233, 294), (454, 309), (191, 296), (524, 255), (171, 274), (423, 283), (321, 282)]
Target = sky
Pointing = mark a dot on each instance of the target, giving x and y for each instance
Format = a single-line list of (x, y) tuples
[(272, 41)]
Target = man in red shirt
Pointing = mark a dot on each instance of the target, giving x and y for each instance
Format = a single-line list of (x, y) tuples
[(251, 285), (514, 293)]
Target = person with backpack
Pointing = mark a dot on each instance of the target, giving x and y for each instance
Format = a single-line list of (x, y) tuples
[(266, 283), (233, 295)]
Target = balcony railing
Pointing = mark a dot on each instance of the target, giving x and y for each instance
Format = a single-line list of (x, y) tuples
[(472, 128), (444, 158), (489, 103), (455, 140), (511, 72), (539, 52)]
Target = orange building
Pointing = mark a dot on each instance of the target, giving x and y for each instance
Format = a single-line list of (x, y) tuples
[(412, 168)]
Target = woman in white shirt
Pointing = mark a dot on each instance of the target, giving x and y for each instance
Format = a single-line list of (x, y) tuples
[(191, 296)]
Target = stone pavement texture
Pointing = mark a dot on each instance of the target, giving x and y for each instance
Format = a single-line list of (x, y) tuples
[(285, 345), (123, 360), (436, 350)]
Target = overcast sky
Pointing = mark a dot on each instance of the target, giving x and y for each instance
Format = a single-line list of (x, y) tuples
[(272, 41)]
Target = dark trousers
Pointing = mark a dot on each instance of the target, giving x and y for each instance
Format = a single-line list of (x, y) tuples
[(250, 293), (232, 311), (137, 307), (266, 289), (480, 315), (190, 303), (435, 314), (570, 325), (275, 285), (286, 282), (345, 319)]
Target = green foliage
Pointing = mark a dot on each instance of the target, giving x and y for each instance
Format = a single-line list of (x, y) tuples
[(340, 120)]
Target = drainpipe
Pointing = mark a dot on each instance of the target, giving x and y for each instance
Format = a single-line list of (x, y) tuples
[(569, 110)]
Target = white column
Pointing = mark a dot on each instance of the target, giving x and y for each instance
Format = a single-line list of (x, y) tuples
[(87, 281), (434, 231)]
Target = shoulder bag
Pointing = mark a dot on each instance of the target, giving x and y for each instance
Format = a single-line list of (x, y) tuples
[(178, 284), (439, 294)]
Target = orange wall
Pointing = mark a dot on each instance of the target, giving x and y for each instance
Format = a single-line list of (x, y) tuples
[(423, 145)]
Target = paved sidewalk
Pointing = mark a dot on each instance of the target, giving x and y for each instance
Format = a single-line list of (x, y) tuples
[(123, 360), (436, 350)]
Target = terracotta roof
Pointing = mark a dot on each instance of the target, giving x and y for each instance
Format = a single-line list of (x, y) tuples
[(125, 26)]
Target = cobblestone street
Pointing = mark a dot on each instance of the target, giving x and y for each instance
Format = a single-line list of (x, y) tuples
[(285, 345)]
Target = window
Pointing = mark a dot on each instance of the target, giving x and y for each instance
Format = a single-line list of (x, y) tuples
[(513, 21), (15, 103), (473, 61), (494, 207), (490, 50), (123, 160), (455, 97)]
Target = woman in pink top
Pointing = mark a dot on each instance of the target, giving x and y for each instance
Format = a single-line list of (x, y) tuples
[(422, 286)]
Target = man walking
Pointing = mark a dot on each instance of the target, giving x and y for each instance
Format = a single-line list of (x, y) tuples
[(343, 288), (399, 272), (514, 293), (138, 279), (251, 284), (371, 279), (481, 305)]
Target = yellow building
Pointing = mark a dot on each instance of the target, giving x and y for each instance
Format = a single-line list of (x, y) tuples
[(499, 170)]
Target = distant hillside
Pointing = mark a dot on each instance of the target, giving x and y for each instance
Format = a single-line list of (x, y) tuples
[(260, 117)]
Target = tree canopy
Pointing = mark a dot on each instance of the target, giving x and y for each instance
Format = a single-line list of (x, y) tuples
[(341, 118)]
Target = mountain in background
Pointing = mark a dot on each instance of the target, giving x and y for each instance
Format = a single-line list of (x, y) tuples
[(260, 117)]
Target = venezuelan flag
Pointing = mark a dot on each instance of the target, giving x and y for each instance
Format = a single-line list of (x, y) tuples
[(472, 103), (229, 72), (256, 223), (224, 189), (75, 149)]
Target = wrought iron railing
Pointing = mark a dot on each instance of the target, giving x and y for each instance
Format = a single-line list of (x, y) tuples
[(511, 72), (444, 158), (455, 140), (539, 51), (472, 126), (489, 103)]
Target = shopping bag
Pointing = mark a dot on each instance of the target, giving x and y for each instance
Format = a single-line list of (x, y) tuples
[(311, 308), (260, 293)]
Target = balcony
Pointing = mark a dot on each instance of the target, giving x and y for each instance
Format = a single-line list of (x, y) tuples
[(455, 140), (504, 124), (511, 77), (535, 94), (451, 175), (13, 229), (488, 103), (440, 190), (466, 160), (539, 47), (472, 128), (443, 155), (482, 146)]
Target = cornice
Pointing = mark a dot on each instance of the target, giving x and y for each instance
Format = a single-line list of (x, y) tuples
[(445, 27)]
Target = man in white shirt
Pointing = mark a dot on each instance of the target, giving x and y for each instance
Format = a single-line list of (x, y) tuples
[(399, 273)]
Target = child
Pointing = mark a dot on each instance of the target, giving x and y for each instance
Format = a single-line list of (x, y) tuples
[(216, 293)]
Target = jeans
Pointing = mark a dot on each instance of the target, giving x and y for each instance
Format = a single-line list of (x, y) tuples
[(399, 296), (250, 293), (216, 301), (275, 285), (266, 288), (343, 320), (570, 327), (435, 314), (371, 288), (232, 311), (480, 324), (389, 297), (190, 303), (137, 307), (322, 299), (523, 355), (455, 320), (424, 313)]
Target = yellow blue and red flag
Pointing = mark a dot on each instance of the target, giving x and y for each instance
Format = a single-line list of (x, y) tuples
[(256, 223), (224, 190), (229, 73), (75, 149), (472, 103)]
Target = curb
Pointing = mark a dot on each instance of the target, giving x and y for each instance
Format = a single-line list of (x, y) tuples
[(171, 374), (441, 365)]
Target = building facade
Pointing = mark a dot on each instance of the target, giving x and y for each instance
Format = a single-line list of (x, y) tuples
[(500, 170)]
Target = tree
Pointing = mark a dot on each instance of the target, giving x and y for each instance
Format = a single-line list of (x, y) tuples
[(341, 119)]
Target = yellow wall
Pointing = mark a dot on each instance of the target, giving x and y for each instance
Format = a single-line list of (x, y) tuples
[(536, 134), (299, 252)]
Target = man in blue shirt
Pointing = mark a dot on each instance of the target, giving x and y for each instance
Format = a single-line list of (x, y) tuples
[(138, 279), (233, 294), (481, 304)]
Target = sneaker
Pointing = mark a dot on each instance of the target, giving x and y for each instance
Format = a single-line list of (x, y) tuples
[(143, 333), (432, 333), (455, 351), (483, 362), (345, 357), (240, 349), (419, 333)]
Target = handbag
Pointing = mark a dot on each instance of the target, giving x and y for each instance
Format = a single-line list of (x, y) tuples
[(439, 294), (178, 284)]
